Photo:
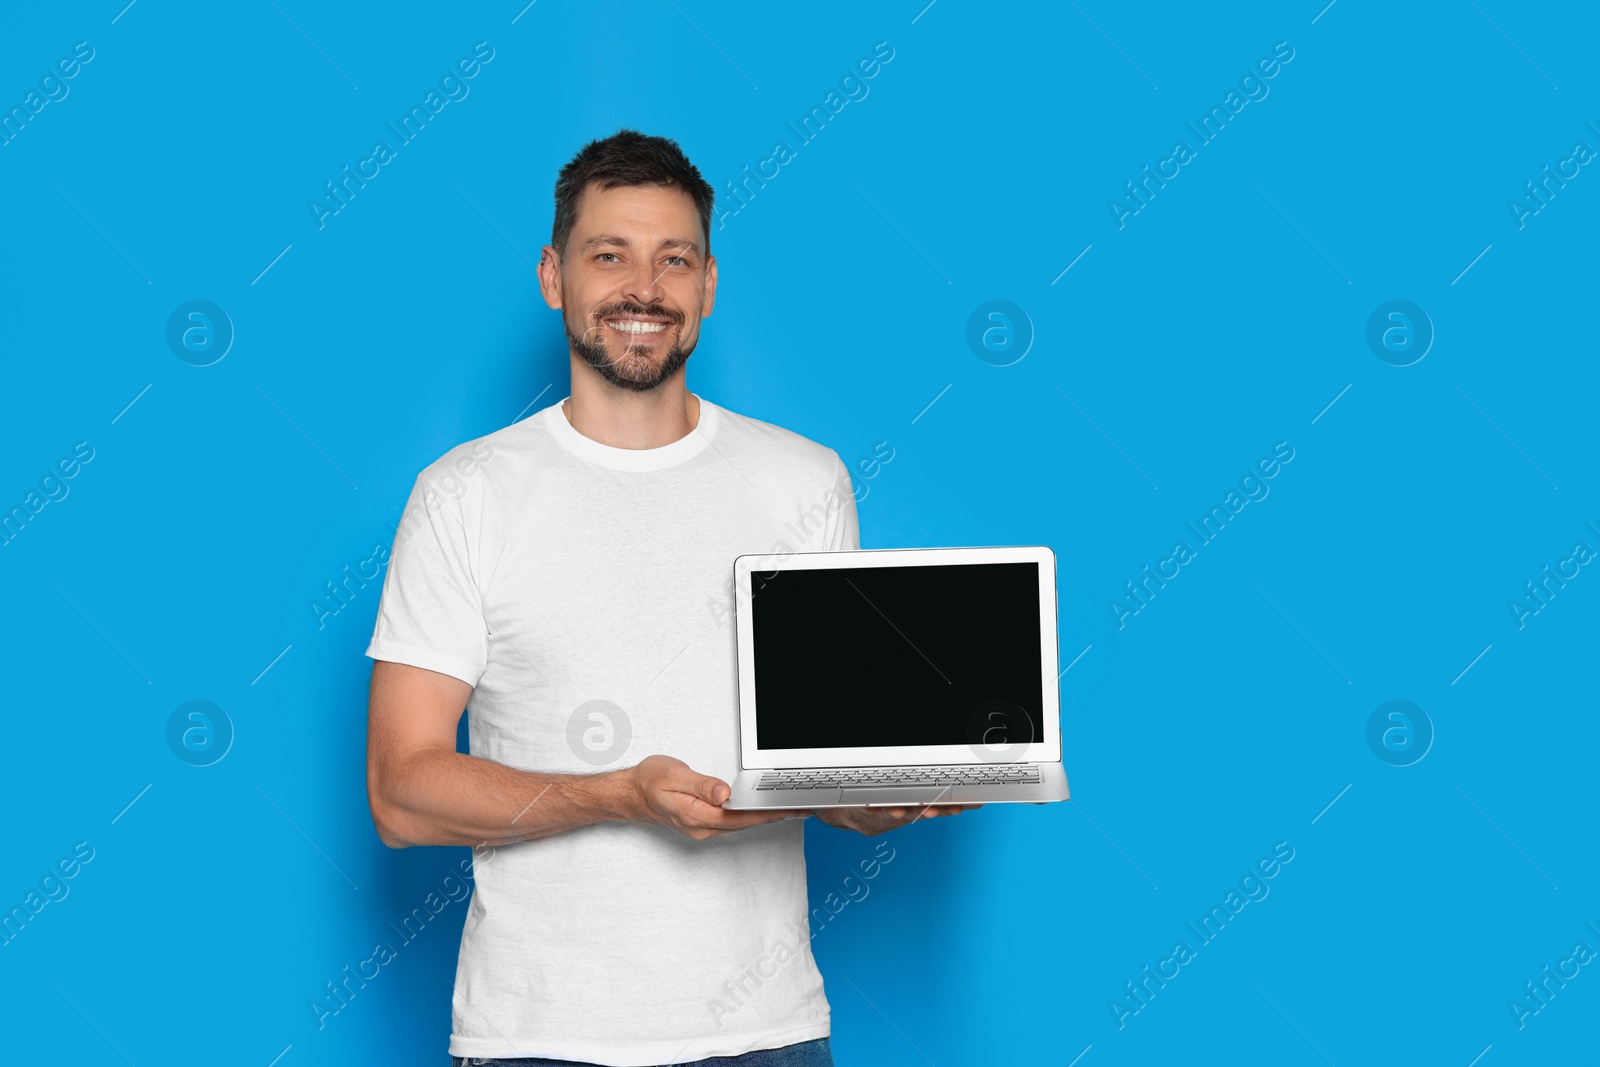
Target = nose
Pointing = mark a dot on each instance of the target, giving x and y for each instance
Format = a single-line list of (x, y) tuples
[(640, 284)]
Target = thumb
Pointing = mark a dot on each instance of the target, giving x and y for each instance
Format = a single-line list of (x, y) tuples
[(712, 790)]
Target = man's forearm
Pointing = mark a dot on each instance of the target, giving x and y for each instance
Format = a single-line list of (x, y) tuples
[(449, 798)]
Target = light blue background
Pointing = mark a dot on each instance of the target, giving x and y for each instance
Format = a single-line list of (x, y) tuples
[(1221, 319)]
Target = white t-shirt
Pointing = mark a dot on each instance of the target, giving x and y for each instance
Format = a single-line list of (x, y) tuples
[(550, 572)]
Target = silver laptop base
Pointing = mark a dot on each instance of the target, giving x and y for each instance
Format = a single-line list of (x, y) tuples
[(989, 783)]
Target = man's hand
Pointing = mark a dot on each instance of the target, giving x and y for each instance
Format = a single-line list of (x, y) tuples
[(874, 821), (666, 791)]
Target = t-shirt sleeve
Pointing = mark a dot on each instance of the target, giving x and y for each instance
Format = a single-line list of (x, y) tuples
[(430, 613), (844, 530)]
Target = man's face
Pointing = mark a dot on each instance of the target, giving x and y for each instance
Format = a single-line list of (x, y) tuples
[(634, 283)]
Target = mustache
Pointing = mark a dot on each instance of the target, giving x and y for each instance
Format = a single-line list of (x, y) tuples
[(653, 312)]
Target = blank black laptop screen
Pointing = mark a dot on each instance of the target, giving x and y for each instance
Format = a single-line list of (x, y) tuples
[(909, 655)]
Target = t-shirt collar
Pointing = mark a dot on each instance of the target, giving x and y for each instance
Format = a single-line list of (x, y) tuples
[(634, 459)]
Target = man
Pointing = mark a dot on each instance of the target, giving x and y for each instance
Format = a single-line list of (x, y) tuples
[(572, 588)]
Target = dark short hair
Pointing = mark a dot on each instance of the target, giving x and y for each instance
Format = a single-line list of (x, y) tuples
[(628, 157)]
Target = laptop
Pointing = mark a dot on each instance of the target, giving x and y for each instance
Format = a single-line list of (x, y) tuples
[(898, 677)]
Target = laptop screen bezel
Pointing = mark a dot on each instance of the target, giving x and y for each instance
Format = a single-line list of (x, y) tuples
[(753, 757)]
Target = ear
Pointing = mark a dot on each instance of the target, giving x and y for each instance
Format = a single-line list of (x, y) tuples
[(550, 276), (711, 287)]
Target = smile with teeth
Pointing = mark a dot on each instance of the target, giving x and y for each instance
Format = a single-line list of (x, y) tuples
[(635, 326)]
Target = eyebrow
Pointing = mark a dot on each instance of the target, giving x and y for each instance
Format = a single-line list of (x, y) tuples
[(612, 239)]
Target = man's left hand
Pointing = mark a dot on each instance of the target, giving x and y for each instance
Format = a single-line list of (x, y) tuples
[(874, 821)]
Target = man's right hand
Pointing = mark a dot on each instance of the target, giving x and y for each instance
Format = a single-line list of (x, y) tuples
[(667, 791)]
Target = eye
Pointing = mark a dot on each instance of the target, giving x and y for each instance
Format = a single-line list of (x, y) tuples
[(678, 261), (603, 254)]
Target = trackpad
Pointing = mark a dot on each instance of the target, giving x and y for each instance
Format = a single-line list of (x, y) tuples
[(890, 796)]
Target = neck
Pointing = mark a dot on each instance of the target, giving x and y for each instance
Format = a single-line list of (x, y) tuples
[(623, 418)]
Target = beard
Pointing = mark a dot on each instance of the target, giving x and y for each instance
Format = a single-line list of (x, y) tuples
[(634, 368)]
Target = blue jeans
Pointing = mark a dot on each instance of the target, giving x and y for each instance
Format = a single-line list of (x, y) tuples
[(816, 1053)]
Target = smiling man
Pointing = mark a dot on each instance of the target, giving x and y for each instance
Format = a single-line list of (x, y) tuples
[(558, 592)]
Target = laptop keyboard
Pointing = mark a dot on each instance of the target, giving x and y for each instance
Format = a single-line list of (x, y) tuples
[(981, 774)]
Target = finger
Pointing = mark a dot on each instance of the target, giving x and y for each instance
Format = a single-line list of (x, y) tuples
[(693, 810), (779, 815), (741, 819), (709, 816)]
